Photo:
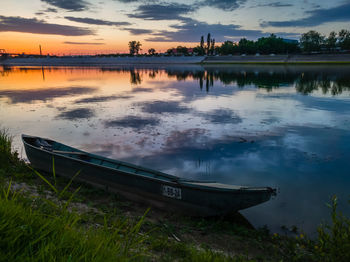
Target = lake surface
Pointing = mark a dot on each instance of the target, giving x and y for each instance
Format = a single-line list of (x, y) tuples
[(280, 126)]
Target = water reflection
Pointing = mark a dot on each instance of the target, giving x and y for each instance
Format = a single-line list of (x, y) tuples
[(286, 127), (43, 95), (76, 114)]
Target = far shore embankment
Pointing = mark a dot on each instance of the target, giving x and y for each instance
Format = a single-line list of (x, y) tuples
[(171, 60), (279, 59)]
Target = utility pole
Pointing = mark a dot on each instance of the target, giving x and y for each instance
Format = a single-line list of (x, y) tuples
[(40, 50)]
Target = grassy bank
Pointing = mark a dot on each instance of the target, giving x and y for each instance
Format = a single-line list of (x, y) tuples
[(41, 222)]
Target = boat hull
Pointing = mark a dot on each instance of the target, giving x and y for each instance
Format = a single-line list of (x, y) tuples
[(193, 199)]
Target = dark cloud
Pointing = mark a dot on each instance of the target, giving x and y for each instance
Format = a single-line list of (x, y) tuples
[(70, 5), (82, 43), (172, 11), (138, 31), (35, 26), (316, 17), (99, 99), (30, 96), (92, 21), (51, 10), (160, 107), (135, 122), (75, 114), (191, 31), (222, 116), (47, 10), (274, 4), (128, 1), (227, 5)]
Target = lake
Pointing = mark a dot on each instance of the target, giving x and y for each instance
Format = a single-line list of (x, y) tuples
[(272, 125)]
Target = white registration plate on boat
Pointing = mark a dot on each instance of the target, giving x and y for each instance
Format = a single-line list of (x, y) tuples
[(173, 192)]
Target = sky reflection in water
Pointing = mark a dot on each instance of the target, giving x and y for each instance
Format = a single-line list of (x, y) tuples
[(286, 127)]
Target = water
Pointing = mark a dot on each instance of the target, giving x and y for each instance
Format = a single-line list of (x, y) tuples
[(285, 127)]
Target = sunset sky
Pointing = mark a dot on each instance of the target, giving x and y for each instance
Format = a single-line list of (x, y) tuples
[(106, 26)]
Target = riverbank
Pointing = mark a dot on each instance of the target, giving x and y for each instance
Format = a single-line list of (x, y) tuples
[(280, 59), (180, 60), (74, 222)]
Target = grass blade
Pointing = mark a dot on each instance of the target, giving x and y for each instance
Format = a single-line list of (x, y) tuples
[(44, 179)]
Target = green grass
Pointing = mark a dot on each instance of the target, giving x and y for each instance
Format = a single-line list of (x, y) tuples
[(29, 234), (333, 243), (6, 155)]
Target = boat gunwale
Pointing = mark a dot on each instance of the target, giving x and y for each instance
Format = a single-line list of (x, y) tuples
[(176, 180)]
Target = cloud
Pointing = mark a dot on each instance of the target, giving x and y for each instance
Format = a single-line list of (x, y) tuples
[(191, 31), (51, 10), (138, 31), (128, 1), (75, 114), (70, 5), (160, 107), (30, 96), (316, 17), (35, 26), (82, 43), (227, 5), (92, 21), (171, 11), (135, 122), (274, 4)]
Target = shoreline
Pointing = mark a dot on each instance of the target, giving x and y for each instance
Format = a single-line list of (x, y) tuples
[(43, 211), (180, 60)]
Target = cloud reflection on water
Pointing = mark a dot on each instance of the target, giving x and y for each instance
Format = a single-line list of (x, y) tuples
[(135, 122), (43, 95), (75, 114)]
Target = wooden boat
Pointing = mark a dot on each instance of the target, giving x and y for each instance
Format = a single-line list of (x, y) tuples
[(202, 198)]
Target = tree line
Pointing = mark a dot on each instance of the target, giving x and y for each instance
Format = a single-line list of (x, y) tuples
[(313, 41), (309, 42)]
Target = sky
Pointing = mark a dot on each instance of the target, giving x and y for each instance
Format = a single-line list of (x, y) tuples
[(64, 27)]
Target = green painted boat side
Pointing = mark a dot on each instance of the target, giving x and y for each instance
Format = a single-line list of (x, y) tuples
[(203, 198)]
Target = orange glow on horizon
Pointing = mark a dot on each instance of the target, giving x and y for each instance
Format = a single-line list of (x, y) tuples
[(54, 45)]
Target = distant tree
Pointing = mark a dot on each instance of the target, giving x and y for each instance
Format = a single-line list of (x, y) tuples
[(212, 46), (134, 47), (201, 44), (247, 46), (198, 50), (331, 40), (182, 50), (170, 51), (208, 43), (151, 51), (311, 41), (344, 39), (276, 45)]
